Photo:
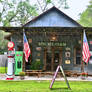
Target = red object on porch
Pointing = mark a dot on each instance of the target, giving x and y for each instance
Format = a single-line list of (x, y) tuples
[(11, 45), (9, 78)]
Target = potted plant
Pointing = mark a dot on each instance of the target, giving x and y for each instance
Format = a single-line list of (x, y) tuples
[(36, 65), (84, 75), (22, 75)]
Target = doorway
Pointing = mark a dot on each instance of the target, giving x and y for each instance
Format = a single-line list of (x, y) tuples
[(52, 58)]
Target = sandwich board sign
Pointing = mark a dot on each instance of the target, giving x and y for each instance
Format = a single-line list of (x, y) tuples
[(54, 77)]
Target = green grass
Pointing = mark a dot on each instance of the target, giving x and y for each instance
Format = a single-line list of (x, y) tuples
[(43, 86), (3, 69)]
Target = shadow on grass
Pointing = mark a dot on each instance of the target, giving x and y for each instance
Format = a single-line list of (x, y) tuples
[(64, 88)]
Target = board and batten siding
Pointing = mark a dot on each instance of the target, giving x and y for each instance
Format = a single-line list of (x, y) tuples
[(52, 18)]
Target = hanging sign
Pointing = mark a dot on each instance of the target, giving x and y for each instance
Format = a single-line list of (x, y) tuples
[(11, 45), (67, 61), (54, 77)]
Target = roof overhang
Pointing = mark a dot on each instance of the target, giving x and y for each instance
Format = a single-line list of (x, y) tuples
[(32, 29)]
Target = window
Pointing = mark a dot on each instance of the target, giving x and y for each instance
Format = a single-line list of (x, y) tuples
[(78, 56)]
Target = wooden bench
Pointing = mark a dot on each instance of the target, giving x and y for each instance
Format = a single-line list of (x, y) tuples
[(40, 73), (33, 72)]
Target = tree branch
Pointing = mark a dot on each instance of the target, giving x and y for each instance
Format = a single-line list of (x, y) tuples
[(40, 5)]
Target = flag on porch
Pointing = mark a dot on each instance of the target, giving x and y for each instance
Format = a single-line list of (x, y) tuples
[(85, 51), (26, 47)]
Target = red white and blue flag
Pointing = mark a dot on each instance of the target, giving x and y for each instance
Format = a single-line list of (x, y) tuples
[(26, 48), (85, 52)]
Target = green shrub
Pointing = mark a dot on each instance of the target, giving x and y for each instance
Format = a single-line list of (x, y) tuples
[(36, 65), (22, 73)]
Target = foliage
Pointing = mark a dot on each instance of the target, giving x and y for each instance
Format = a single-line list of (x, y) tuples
[(86, 16), (43, 5), (22, 73), (48, 1), (19, 12), (3, 42), (84, 74), (36, 65), (24, 12), (13, 13), (43, 86), (3, 70)]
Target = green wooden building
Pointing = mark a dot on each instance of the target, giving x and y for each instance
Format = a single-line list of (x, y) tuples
[(54, 39)]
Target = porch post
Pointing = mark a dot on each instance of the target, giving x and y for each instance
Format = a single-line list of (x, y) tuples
[(44, 67), (23, 65), (60, 57), (52, 60)]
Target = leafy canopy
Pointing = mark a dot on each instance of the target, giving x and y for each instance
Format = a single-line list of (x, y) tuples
[(86, 16)]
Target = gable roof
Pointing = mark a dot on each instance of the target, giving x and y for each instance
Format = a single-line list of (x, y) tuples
[(33, 23)]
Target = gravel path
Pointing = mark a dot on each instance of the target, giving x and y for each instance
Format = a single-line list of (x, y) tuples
[(3, 77)]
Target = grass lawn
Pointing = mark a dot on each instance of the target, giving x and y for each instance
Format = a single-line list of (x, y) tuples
[(3, 69), (43, 86)]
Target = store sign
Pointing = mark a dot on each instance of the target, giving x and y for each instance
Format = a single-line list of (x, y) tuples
[(11, 45), (67, 61), (38, 48), (52, 44)]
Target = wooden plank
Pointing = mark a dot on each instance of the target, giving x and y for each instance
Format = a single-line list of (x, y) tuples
[(52, 60), (65, 77), (54, 77), (44, 62), (60, 57)]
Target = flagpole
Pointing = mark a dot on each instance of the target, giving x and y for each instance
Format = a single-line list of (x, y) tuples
[(82, 63), (23, 66)]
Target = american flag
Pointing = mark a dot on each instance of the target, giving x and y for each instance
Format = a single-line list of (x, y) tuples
[(26, 48), (85, 52)]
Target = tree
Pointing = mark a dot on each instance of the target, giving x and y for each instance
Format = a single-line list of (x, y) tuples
[(18, 12), (43, 5), (24, 11), (13, 13), (86, 16), (3, 42)]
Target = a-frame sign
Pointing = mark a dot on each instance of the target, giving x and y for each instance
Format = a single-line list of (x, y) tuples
[(54, 77)]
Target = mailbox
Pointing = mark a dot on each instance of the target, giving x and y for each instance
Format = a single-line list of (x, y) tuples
[(18, 62)]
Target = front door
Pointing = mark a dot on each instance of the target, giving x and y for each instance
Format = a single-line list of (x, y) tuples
[(52, 58)]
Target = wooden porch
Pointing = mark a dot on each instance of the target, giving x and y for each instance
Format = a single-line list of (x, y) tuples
[(40, 73)]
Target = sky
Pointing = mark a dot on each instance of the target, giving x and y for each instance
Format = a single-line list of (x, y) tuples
[(76, 7)]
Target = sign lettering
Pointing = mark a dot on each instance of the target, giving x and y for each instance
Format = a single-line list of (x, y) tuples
[(51, 43)]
